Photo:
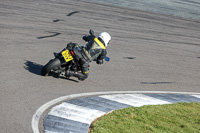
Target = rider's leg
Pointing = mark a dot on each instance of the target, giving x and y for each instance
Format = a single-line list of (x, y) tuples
[(80, 75)]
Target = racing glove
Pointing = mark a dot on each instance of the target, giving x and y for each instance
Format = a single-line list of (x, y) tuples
[(85, 38), (99, 62)]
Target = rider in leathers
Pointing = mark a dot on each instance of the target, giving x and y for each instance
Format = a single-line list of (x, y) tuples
[(95, 50)]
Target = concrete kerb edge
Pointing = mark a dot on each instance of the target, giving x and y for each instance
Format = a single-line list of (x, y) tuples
[(36, 117)]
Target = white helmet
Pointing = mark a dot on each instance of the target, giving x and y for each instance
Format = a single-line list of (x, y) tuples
[(105, 37)]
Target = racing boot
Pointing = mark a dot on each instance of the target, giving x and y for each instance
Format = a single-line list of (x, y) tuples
[(79, 75)]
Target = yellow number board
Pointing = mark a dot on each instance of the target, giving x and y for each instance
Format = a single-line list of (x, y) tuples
[(67, 55)]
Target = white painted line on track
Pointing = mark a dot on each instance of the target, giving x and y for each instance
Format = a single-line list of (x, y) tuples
[(135, 100), (198, 96), (76, 113), (49, 132), (36, 117)]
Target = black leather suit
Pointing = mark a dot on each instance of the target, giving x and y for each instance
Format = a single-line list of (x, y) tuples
[(94, 50)]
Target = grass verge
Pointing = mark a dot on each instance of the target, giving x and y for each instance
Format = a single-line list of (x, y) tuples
[(169, 118)]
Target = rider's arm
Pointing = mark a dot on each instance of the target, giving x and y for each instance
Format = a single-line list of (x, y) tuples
[(101, 57), (87, 38)]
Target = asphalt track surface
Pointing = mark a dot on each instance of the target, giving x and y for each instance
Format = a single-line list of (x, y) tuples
[(148, 51)]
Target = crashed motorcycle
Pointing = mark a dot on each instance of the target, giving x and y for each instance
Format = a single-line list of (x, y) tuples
[(62, 62)]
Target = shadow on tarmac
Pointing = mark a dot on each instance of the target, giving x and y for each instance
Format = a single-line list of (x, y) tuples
[(35, 68)]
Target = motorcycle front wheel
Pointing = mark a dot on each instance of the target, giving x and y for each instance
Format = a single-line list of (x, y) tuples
[(51, 65)]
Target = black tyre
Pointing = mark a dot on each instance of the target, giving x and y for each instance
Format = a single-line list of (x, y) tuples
[(52, 64)]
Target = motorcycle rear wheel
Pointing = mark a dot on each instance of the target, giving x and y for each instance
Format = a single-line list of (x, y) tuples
[(52, 64)]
